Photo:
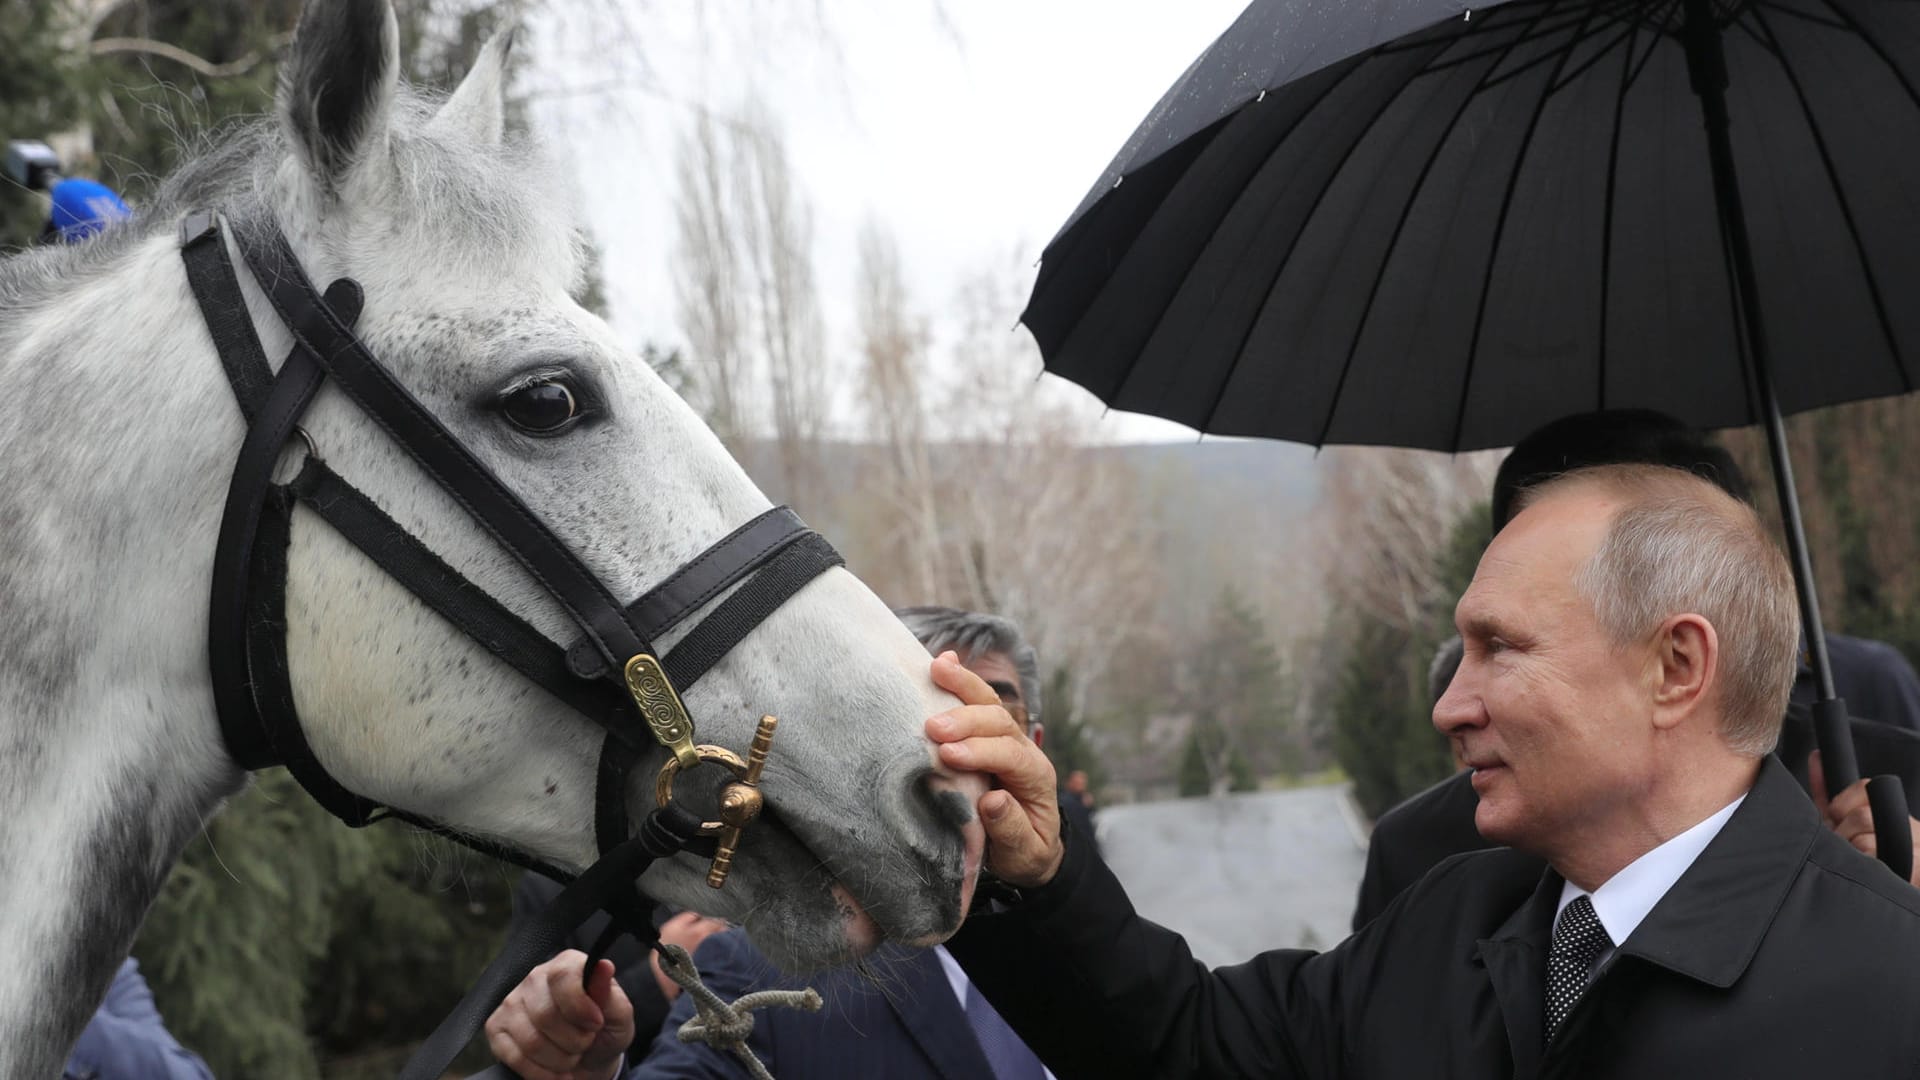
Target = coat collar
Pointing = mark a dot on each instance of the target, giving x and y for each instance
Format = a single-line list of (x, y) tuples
[(1710, 924), (1707, 927), (1515, 957)]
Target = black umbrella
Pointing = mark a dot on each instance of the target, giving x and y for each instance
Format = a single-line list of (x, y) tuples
[(1420, 223)]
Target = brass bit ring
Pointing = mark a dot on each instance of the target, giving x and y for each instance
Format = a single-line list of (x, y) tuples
[(740, 800)]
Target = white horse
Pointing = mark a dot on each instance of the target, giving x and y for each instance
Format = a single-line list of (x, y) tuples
[(118, 432)]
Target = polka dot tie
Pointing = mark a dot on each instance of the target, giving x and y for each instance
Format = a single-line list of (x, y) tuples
[(1578, 941)]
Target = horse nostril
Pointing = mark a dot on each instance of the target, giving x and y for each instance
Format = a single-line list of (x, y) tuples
[(927, 807), (946, 802)]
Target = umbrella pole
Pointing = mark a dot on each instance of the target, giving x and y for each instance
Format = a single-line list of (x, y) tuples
[(1706, 66)]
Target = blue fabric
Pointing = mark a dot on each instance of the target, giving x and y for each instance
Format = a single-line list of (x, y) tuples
[(83, 207), (126, 1039), (902, 1023)]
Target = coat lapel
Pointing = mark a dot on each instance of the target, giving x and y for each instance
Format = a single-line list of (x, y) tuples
[(935, 1018), (1516, 961)]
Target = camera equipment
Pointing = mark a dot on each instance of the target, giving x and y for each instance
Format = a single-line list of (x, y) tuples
[(32, 164)]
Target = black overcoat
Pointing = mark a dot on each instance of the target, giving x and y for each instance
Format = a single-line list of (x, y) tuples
[(1780, 953), (1421, 833)]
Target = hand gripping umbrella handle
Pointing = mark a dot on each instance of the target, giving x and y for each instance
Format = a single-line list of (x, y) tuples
[(1892, 828)]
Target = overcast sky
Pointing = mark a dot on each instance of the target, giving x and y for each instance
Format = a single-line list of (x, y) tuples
[(971, 128)]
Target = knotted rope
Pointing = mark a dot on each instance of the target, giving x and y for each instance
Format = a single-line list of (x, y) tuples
[(723, 1026)]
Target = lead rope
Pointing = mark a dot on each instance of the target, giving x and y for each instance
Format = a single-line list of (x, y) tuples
[(723, 1026)]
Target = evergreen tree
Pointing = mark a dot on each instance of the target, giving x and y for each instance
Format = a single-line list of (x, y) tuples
[(1238, 695), (1066, 738), (1196, 778), (1383, 734)]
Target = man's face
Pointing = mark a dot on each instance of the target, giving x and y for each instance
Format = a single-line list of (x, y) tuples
[(996, 670), (1554, 720)]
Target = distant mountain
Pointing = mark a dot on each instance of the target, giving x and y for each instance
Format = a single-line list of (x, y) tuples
[(1199, 482), (1201, 490)]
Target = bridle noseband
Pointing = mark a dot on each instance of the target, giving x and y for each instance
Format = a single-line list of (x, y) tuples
[(613, 675)]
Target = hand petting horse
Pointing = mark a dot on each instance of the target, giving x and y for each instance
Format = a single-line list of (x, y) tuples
[(119, 437)]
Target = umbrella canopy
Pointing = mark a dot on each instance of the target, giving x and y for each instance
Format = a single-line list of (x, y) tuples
[(1419, 224)]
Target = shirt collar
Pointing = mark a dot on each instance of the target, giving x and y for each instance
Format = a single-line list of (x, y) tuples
[(956, 978), (1623, 902)]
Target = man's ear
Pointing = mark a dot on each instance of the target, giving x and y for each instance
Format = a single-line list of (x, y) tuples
[(337, 88), (1039, 733), (1687, 659)]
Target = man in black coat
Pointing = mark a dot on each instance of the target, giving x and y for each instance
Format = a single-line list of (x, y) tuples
[(1629, 648), (1881, 689)]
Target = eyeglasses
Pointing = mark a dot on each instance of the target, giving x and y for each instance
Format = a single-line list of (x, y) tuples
[(1018, 710)]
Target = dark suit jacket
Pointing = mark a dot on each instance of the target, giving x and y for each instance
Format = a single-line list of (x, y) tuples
[(1781, 952), (902, 1024), (1872, 676), (1422, 832)]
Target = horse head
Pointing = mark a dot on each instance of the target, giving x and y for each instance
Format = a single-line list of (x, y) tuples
[(119, 431), (468, 266)]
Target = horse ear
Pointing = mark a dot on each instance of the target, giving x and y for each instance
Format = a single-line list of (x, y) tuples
[(337, 86), (477, 110)]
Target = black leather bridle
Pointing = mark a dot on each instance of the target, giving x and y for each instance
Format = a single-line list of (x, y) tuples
[(769, 558)]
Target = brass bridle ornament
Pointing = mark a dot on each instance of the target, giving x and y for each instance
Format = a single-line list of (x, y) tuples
[(740, 800)]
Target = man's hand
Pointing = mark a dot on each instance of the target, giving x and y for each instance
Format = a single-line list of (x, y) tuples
[(1022, 817), (687, 930), (550, 1028), (1851, 815)]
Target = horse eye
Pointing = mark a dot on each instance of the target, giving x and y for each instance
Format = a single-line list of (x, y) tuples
[(545, 408)]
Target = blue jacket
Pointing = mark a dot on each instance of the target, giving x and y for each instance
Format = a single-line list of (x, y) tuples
[(126, 1039), (901, 1022)]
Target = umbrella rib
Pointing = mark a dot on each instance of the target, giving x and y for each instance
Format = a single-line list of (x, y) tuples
[(1846, 209), (1606, 224), (1879, 50), (1393, 242), (1503, 48), (1493, 261), (1226, 379), (1765, 41), (1561, 53), (1805, 16), (1653, 43), (1566, 78), (1491, 22), (1333, 175)]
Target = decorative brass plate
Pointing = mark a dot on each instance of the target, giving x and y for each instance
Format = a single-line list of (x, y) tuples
[(659, 703)]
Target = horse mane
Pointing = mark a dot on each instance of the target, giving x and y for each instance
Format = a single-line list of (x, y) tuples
[(488, 198)]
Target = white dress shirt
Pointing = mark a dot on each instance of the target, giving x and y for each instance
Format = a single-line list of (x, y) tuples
[(1622, 903)]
